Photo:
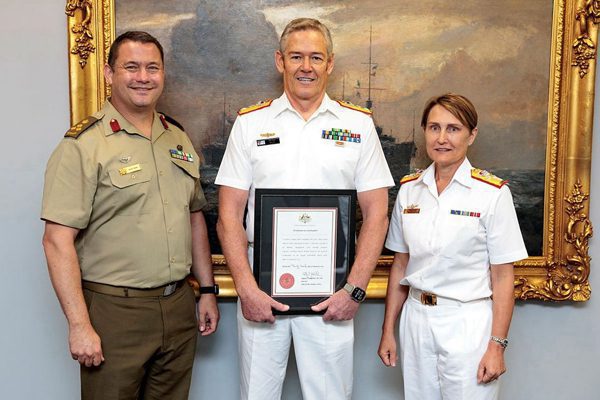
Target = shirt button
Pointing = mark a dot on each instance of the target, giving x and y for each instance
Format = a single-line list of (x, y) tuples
[(132, 176), (165, 202), (161, 173), (172, 259), (170, 230)]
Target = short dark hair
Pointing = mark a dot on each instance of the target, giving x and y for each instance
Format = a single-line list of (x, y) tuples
[(457, 105), (133, 36)]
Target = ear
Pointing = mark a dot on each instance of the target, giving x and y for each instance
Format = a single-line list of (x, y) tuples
[(108, 73), (279, 61), (330, 64), (472, 136)]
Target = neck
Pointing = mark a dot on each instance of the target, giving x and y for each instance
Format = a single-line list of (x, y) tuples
[(141, 118), (444, 174), (306, 108)]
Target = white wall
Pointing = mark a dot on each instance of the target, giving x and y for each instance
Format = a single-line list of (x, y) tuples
[(554, 347)]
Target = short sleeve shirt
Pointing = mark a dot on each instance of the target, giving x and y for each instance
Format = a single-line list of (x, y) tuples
[(274, 147), (130, 196), (453, 238)]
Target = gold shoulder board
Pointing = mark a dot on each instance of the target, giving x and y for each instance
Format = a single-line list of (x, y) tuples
[(486, 177), (257, 106), (351, 106), (410, 177), (80, 127)]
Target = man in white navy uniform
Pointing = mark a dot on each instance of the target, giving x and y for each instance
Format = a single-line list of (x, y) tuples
[(293, 142)]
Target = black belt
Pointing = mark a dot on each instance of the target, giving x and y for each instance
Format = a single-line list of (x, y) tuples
[(165, 290)]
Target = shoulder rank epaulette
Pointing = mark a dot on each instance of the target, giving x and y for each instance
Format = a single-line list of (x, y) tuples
[(257, 106), (411, 177), (170, 120), (351, 106), (80, 127), (487, 177)]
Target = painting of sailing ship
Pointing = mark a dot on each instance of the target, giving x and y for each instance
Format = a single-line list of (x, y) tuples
[(390, 56)]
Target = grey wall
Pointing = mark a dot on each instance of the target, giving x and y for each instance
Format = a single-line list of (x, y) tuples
[(554, 348)]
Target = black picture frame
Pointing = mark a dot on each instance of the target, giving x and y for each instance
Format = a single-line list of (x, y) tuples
[(266, 200)]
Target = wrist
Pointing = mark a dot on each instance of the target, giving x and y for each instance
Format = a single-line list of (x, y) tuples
[(499, 342), (210, 289)]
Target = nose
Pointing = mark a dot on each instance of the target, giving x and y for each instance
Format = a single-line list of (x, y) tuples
[(443, 136), (306, 65), (142, 75)]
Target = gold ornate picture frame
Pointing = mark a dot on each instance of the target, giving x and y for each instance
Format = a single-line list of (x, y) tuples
[(562, 271)]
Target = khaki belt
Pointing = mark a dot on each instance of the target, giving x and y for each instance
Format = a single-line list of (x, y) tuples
[(165, 290)]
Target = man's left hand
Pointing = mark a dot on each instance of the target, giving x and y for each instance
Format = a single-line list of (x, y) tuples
[(340, 307), (208, 314)]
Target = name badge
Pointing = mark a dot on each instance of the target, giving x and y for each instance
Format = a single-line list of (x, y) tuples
[(130, 169), (266, 142)]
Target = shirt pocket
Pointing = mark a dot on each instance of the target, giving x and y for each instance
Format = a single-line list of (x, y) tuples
[(190, 168), (122, 181)]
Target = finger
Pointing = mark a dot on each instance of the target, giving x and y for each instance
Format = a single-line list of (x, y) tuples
[(480, 373), (202, 322), (385, 357), (279, 306), (393, 359), (96, 361), (321, 306)]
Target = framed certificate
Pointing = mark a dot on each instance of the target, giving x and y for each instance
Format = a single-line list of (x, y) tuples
[(303, 244)]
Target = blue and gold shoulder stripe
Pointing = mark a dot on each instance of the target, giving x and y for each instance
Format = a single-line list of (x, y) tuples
[(354, 107), (255, 107), (411, 177), (76, 130), (487, 177)]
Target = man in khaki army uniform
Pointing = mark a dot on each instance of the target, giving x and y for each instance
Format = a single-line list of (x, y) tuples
[(122, 205)]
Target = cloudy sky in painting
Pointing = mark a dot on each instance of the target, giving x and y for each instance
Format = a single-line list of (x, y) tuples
[(220, 58)]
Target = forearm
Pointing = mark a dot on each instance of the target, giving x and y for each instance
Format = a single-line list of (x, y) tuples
[(502, 299), (201, 258), (396, 294), (232, 203), (65, 273), (371, 237)]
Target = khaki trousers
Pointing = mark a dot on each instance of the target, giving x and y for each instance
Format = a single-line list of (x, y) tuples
[(148, 344)]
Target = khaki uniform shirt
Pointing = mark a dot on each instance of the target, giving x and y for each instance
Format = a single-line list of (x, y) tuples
[(130, 197)]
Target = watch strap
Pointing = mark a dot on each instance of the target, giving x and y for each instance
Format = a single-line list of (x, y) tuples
[(213, 289)]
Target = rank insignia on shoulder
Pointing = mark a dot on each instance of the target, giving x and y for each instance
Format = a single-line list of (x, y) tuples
[(486, 177), (165, 120), (351, 106), (411, 177), (80, 127), (411, 209), (257, 106)]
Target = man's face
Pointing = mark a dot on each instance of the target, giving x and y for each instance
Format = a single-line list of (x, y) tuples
[(305, 66), (138, 77)]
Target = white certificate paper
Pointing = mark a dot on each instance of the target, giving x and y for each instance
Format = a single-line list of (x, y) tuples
[(304, 243)]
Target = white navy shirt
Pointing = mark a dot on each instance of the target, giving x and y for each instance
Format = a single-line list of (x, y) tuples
[(453, 238), (274, 147)]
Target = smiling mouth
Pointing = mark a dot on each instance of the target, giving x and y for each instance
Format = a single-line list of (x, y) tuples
[(305, 79)]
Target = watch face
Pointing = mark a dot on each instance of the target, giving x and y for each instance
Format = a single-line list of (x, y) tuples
[(358, 294)]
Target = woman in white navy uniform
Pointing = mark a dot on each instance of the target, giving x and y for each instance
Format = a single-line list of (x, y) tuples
[(455, 235)]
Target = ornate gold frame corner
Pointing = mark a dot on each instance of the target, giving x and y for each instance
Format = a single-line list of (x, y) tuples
[(562, 272)]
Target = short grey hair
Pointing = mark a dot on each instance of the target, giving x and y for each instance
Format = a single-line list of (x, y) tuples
[(305, 24)]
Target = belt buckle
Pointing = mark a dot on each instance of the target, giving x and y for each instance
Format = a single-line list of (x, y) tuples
[(170, 289), (428, 299)]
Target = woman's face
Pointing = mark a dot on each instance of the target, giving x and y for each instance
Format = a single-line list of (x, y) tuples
[(446, 138)]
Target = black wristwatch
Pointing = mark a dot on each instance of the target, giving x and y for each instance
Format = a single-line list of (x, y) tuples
[(214, 289), (357, 294)]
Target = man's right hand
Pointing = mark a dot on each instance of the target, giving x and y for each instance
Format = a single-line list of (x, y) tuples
[(258, 306), (85, 346)]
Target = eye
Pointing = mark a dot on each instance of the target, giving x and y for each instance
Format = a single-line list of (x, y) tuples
[(131, 68), (153, 69), (317, 59)]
